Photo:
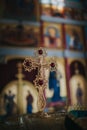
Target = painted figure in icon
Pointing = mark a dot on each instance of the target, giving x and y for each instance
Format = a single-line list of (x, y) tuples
[(79, 95), (52, 37), (9, 103), (29, 100), (73, 41), (54, 84)]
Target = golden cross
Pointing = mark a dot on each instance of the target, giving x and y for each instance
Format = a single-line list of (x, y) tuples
[(40, 62)]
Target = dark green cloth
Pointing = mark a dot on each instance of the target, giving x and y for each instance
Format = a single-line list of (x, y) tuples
[(79, 113)]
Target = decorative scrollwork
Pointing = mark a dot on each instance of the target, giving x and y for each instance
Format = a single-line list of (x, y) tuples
[(39, 61), (41, 100), (29, 64), (40, 82)]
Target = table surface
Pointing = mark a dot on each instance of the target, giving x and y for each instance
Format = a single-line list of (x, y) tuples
[(34, 122)]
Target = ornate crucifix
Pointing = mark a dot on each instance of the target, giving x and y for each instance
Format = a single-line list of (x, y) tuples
[(40, 82)]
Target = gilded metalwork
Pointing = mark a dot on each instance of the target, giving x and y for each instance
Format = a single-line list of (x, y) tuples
[(40, 62)]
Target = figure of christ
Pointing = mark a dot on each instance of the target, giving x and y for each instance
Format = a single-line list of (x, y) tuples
[(29, 100), (52, 38)]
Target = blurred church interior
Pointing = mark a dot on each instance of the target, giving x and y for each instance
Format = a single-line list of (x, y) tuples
[(55, 27)]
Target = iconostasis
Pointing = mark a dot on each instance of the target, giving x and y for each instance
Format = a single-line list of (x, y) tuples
[(61, 28), (22, 24)]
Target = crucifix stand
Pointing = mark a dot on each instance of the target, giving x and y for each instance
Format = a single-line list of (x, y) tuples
[(40, 82)]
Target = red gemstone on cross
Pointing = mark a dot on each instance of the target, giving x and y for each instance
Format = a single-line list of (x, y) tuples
[(52, 65), (40, 52), (40, 82), (28, 64)]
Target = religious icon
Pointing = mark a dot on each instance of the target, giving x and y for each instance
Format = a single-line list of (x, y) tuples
[(57, 8), (56, 90), (74, 38), (52, 35), (19, 35), (77, 82), (9, 103), (57, 12), (17, 95), (46, 9), (79, 95), (56, 100), (54, 83), (29, 100)]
